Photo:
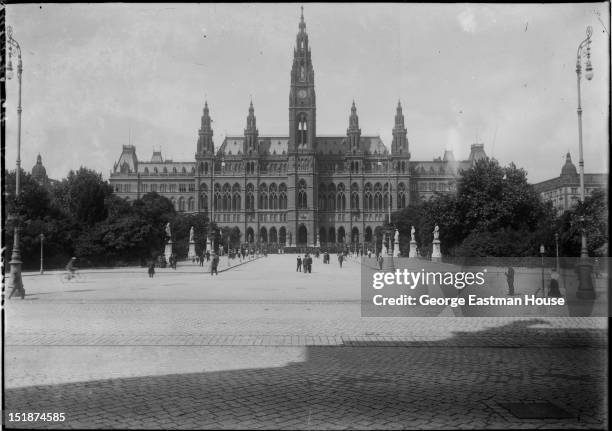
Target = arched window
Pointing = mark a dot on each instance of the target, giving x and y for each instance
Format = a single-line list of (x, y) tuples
[(332, 235), (388, 199), (322, 235), (282, 199), (341, 234), (217, 197), (401, 195), (190, 206), (378, 200), (331, 198), (368, 234), (340, 198), (302, 197), (273, 235), (302, 130), (322, 198), (146, 171), (354, 196), (227, 197), (263, 196), (273, 200), (181, 204), (367, 197), (236, 197), (250, 197)]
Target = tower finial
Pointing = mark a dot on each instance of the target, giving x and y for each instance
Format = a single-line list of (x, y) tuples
[(302, 23)]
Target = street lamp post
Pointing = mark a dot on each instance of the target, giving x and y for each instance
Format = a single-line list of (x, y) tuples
[(585, 284), (209, 241), (42, 238), (542, 265), (557, 249), (16, 282)]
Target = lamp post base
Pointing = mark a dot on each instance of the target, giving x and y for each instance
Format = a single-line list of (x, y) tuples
[(585, 280), (16, 282)]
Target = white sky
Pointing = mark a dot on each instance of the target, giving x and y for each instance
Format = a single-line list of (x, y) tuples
[(94, 74)]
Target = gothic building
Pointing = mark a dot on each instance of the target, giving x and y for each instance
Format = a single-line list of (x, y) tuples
[(299, 189)]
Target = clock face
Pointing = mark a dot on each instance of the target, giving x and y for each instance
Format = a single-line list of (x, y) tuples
[(302, 94)]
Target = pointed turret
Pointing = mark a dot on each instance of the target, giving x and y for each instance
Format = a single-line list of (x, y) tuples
[(353, 132), (205, 143), (251, 133), (399, 145)]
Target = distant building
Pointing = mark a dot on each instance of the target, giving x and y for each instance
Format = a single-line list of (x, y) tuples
[(39, 173), (564, 190), (302, 188)]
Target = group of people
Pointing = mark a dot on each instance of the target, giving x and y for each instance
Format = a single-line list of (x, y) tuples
[(553, 287), (305, 264)]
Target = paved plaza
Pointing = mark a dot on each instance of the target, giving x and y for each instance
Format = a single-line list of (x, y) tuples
[(260, 346)]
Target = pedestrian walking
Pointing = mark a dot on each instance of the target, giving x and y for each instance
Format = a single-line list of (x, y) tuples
[(309, 264), (510, 279), (340, 259), (553, 290), (151, 268), (299, 264), (214, 264), (380, 261), (207, 256)]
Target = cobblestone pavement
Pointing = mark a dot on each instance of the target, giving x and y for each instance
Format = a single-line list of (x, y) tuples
[(264, 347)]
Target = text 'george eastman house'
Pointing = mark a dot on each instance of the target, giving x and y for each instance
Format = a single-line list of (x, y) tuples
[(300, 189)]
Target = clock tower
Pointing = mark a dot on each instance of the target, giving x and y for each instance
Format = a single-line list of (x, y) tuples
[(302, 101), (301, 166)]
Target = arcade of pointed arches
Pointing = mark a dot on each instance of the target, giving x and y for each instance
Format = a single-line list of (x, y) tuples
[(332, 197)]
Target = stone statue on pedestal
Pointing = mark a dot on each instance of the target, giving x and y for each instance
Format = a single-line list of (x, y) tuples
[(412, 234), (436, 255), (191, 254), (168, 249), (396, 250)]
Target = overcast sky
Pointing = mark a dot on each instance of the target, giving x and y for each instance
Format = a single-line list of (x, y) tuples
[(99, 76)]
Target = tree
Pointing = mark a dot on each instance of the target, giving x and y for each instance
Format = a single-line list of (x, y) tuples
[(594, 209), (153, 212), (83, 194), (494, 213)]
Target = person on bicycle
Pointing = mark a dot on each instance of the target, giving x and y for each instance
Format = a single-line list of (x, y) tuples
[(70, 266)]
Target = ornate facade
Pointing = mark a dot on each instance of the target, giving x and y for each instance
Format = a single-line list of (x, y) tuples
[(564, 190), (298, 189)]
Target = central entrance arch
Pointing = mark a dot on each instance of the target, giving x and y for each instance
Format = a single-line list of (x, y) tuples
[(302, 236)]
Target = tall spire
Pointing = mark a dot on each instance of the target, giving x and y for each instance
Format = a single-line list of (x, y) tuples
[(251, 117), (399, 145), (205, 142), (353, 132), (302, 23), (251, 133)]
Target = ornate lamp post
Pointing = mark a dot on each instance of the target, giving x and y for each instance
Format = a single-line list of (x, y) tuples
[(585, 284), (16, 282), (209, 241), (557, 249)]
